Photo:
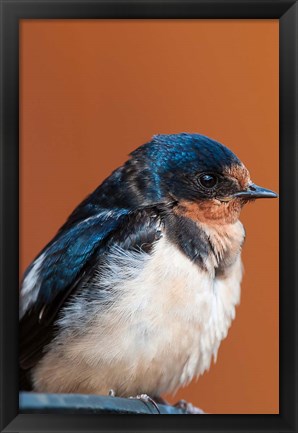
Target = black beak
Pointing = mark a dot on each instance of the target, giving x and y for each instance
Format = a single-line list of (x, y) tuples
[(254, 191)]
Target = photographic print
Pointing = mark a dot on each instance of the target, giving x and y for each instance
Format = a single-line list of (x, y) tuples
[(149, 255)]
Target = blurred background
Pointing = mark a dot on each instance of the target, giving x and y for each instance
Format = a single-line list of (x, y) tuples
[(91, 91)]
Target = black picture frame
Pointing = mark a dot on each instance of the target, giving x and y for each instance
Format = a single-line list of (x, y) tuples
[(11, 12)]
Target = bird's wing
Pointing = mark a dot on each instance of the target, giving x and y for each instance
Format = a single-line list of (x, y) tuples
[(69, 259)]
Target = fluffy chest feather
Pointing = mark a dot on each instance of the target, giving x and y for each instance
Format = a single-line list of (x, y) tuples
[(160, 324)]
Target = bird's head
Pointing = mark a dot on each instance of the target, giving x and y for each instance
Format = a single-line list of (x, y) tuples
[(203, 177)]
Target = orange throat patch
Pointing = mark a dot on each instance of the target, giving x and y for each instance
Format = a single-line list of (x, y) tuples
[(211, 211)]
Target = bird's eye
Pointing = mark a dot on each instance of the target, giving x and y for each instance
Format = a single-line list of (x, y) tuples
[(208, 180)]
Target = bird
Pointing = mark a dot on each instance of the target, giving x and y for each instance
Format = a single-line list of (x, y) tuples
[(138, 288)]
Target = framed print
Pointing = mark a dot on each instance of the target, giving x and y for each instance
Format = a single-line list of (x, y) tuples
[(116, 296)]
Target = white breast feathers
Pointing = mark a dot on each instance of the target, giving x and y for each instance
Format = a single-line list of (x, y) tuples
[(160, 325)]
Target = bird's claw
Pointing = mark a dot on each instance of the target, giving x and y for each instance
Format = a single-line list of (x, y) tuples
[(181, 404), (145, 398), (188, 408)]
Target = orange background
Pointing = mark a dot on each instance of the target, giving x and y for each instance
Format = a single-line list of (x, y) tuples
[(92, 91)]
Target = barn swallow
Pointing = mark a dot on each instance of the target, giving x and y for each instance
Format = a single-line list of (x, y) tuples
[(139, 287)]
